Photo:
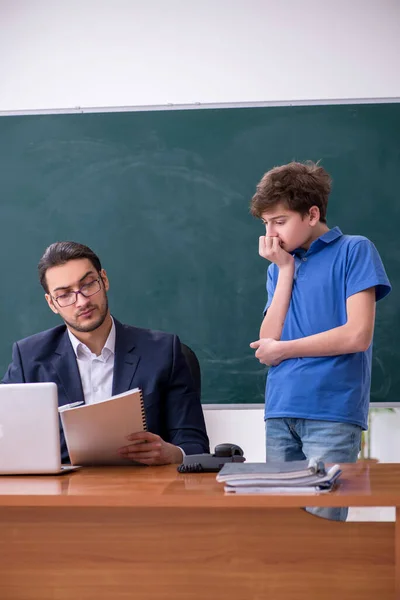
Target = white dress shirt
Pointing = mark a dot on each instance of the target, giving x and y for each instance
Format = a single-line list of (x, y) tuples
[(96, 371)]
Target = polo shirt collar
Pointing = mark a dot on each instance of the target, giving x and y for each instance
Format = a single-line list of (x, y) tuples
[(329, 236), (325, 239)]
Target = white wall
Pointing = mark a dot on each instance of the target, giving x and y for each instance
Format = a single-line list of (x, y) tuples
[(104, 53), (116, 53), (246, 428)]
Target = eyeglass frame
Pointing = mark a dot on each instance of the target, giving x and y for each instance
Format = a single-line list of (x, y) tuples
[(99, 280)]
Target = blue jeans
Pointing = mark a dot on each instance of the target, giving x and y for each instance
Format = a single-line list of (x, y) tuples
[(298, 439)]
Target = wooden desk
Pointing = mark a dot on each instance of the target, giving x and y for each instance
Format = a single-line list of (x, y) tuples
[(150, 533)]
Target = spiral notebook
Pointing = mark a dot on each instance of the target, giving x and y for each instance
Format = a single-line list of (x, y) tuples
[(94, 432)]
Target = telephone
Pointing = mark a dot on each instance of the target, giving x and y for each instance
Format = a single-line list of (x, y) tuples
[(212, 463)]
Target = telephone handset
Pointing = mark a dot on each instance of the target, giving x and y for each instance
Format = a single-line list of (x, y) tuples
[(206, 463)]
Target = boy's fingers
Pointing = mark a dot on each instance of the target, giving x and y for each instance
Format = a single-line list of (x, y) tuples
[(255, 344), (269, 242), (276, 243)]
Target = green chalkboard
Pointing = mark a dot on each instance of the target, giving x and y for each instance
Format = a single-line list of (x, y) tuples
[(162, 197)]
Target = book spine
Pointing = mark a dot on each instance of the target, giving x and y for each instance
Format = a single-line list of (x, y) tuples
[(144, 423)]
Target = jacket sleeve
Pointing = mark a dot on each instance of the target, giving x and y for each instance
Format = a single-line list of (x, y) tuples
[(15, 371), (184, 414)]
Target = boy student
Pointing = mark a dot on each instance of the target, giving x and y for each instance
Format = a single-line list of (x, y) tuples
[(318, 321), (92, 356)]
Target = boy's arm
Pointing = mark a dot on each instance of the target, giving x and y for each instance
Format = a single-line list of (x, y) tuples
[(272, 324), (366, 282), (354, 336), (275, 316)]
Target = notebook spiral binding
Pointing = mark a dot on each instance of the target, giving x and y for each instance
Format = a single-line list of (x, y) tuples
[(143, 411)]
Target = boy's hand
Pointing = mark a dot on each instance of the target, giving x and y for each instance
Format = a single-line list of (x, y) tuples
[(268, 351), (271, 249)]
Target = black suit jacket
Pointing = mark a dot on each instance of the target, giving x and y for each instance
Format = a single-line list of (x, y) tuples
[(150, 360)]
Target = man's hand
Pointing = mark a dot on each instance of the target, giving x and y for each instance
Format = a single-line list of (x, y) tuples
[(150, 449), (271, 249), (268, 351)]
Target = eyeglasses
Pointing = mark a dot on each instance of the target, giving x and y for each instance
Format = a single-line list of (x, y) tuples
[(88, 289)]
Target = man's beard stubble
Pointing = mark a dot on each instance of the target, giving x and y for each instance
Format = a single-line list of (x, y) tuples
[(92, 326)]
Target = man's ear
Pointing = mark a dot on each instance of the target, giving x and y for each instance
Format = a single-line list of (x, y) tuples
[(104, 279), (51, 303), (314, 215)]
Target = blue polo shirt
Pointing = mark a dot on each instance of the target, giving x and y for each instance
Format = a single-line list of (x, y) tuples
[(328, 388)]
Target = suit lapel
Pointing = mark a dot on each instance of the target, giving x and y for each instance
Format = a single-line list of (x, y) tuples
[(66, 368), (126, 359)]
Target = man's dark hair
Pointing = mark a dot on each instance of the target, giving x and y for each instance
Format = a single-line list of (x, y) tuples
[(60, 253), (298, 186)]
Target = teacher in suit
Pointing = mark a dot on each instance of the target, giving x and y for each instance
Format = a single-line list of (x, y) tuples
[(93, 356)]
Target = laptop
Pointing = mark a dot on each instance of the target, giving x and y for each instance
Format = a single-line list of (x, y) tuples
[(29, 430)]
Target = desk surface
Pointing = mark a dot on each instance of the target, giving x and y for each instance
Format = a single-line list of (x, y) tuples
[(361, 484)]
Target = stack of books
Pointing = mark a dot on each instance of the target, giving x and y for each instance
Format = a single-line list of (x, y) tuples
[(298, 477)]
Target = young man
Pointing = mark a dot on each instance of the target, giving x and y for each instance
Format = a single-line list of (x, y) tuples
[(319, 321), (93, 356)]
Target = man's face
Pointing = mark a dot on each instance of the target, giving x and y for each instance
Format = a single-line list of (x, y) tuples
[(293, 229), (86, 313)]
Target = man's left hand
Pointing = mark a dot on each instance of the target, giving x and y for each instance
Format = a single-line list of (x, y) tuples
[(268, 351), (150, 449)]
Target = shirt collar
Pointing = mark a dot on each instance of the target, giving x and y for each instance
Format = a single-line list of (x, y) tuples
[(80, 348), (330, 236), (326, 238)]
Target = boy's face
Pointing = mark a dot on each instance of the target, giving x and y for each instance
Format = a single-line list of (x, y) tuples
[(293, 229)]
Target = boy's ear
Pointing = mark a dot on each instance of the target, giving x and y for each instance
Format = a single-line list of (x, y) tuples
[(314, 215)]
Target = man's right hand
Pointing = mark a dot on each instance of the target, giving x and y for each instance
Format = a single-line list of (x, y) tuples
[(270, 248)]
